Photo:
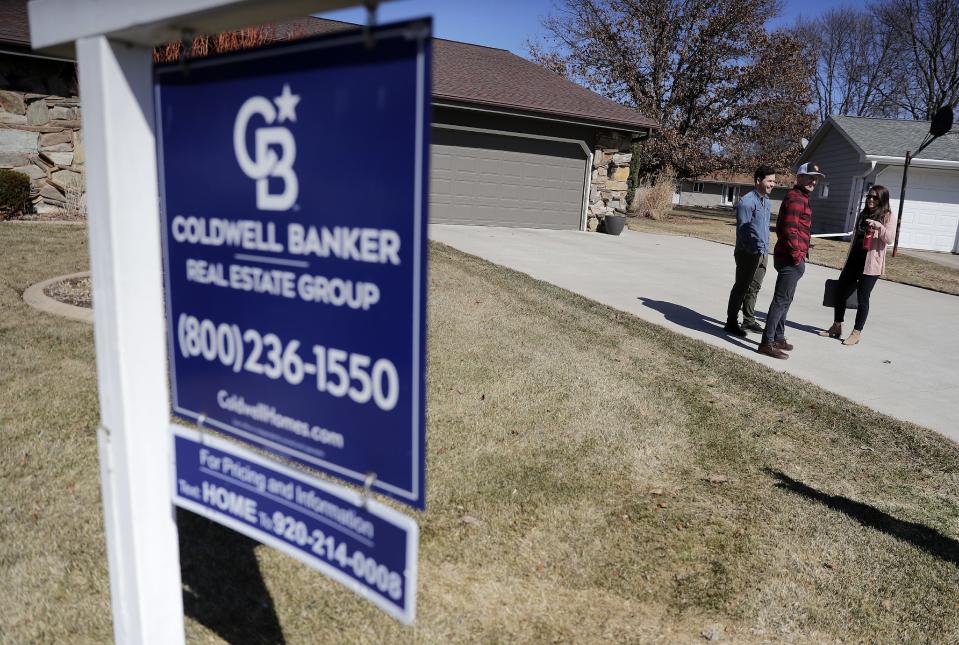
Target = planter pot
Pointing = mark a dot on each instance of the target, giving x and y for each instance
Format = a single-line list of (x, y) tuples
[(613, 224)]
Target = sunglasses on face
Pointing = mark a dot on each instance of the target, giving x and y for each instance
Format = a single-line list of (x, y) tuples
[(871, 197)]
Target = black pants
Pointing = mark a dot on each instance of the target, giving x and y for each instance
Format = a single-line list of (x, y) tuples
[(786, 282), (851, 278), (750, 271)]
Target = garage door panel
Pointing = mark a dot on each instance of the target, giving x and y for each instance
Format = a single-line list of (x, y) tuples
[(930, 218), (481, 178)]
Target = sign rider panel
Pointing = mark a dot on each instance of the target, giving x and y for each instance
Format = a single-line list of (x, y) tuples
[(296, 273), (368, 547)]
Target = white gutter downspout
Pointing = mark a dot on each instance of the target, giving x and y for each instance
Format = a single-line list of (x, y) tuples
[(584, 214)]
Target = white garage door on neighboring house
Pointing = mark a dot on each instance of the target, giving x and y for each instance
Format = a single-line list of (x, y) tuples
[(501, 180), (930, 218)]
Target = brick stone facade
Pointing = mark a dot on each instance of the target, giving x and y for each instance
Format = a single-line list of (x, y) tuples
[(40, 137), (610, 175)]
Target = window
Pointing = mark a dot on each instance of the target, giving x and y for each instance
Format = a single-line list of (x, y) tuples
[(697, 186)]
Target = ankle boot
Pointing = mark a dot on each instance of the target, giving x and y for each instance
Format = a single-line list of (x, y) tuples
[(853, 338), (833, 332)]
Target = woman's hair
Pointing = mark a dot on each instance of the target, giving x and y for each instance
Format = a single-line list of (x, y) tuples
[(882, 203)]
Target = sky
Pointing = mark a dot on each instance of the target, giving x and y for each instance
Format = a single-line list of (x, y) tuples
[(509, 24)]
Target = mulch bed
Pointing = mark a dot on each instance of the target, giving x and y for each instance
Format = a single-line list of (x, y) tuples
[(74, 291)]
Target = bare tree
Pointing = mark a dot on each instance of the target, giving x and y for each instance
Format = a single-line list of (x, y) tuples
[(853, 55), (926, 35), (726, 92)]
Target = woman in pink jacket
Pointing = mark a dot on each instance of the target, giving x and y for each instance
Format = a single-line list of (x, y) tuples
[(866, 261)]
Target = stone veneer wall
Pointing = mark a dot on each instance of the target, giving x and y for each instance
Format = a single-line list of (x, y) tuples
[(608, 183), (40, 137)]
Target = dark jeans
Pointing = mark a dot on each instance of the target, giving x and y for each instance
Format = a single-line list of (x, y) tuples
[(851, 278), (786, 283), (750, 271)]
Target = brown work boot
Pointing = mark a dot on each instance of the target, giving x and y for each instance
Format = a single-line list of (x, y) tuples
[(783, 344), (770, 349)]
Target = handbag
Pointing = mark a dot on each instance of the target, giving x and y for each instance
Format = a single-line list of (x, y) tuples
[(829, 296)]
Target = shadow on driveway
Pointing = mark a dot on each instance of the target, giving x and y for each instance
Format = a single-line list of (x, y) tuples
[(690, 319), (686, 317), (809, 329)]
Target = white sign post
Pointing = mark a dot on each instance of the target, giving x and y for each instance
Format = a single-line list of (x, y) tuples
[(135, 465), (113, 44)]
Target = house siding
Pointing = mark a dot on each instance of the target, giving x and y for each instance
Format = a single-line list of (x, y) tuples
[(519, 125), (841, 164)]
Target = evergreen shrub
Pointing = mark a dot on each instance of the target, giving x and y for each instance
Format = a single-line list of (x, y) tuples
[(14, 193)]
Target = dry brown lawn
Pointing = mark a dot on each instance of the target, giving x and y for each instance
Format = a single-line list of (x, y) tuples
[(721, 227), (591, 478)]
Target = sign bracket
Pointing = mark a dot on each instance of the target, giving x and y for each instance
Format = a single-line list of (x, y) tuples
[(371, 7)]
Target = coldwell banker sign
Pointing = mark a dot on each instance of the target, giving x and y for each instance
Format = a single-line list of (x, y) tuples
[(293, 192)]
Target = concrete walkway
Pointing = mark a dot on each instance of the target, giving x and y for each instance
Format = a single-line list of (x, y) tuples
[(906, 366), (36, 298), (950, 260)]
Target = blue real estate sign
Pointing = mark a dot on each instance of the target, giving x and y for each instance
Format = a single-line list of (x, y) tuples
[(293, 185), (366, 546)]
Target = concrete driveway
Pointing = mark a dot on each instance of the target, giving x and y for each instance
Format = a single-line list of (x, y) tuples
[(906, 366)]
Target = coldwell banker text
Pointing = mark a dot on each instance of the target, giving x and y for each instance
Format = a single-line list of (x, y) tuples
[(369, 245)]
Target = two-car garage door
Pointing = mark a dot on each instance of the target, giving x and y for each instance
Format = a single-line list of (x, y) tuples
[(500, 180), (930, 218)]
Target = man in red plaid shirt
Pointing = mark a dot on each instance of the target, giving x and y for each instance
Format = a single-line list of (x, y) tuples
[(793, 228)]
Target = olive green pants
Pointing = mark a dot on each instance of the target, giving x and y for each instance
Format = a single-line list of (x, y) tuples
[(750, 271)]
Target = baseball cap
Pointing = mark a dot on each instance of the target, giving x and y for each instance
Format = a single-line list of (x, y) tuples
[(810, 169)]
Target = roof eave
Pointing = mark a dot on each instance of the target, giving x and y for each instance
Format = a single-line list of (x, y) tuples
[(821, 134), (559, 117), (816, 138), (920, 162), (12, 49)]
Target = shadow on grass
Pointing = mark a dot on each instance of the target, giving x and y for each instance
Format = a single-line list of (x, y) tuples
[(686, 317), (931, 541), (222, 585)]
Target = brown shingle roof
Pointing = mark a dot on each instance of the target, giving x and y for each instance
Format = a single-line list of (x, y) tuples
[(474, 74), (14, 27), (496, 77), (462, 73)]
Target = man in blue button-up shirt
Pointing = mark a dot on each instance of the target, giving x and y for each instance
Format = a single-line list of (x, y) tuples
[(752, 248)]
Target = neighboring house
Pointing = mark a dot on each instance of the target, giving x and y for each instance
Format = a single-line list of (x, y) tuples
[(723, 190), (512, 143), (856, 153)]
